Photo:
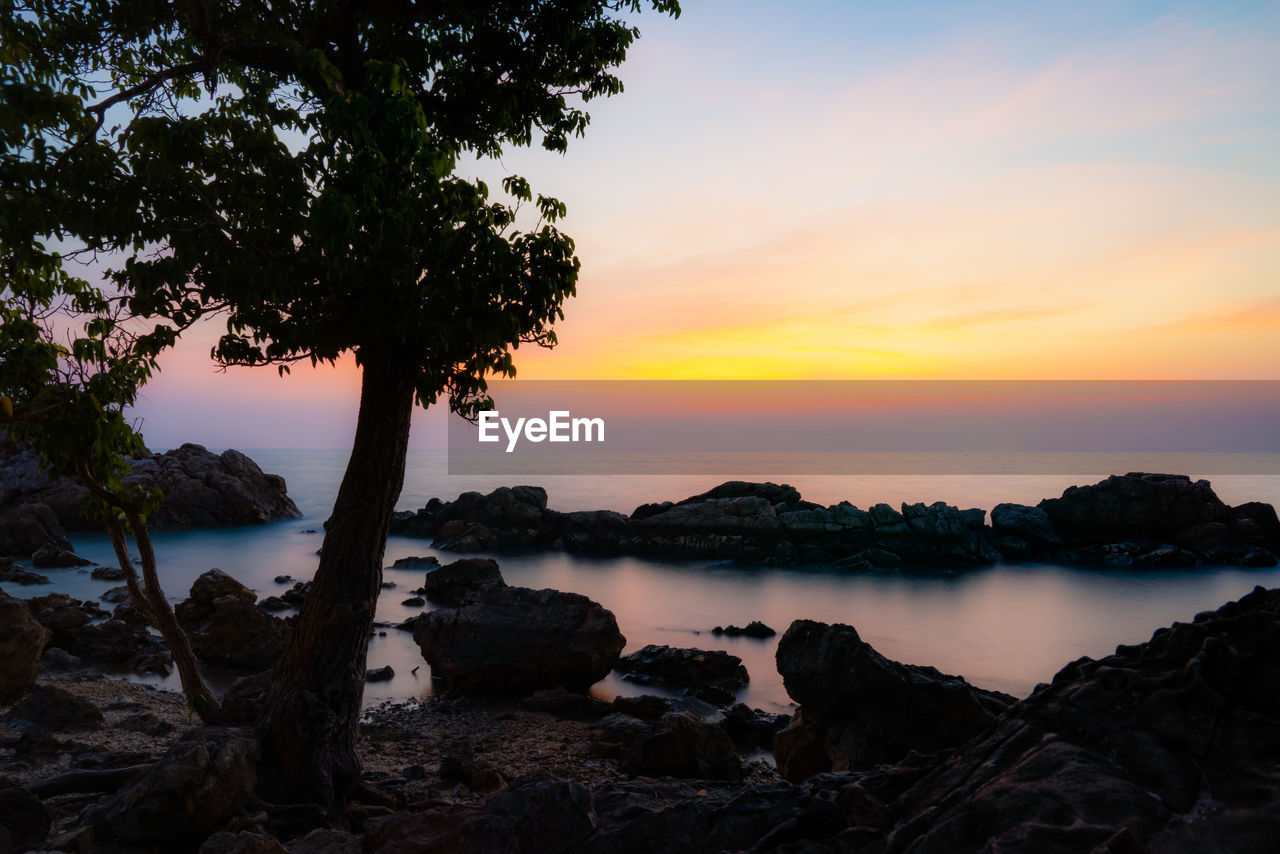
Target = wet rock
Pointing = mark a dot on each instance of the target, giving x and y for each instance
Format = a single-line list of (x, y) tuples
[(646, 707), (274, 604), (462, 580), (683, 668), (518, 641), (680, 745), (116, 595), (197, 784), (226, 628), (753, 629), (122, 644), (414, 602), (1029, 524), (56, 659), (508, 517), (63, 616), (11, 574), (429, 562), (22, 641), (754, 728), (296, 594), (54, 709), (859, 709), (380, 674), (51, 556), (107, 573)]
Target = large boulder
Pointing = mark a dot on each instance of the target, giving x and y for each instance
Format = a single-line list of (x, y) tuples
[(56, 709), (508, 517), (226, 628), (859, 709), (515, 641), (1028, 525), (201, 489), (681, 745), (22, 641), (676, 667), (457, 582), (200, 782)]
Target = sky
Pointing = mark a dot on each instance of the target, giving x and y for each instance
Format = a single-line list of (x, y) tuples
[(857, 190)]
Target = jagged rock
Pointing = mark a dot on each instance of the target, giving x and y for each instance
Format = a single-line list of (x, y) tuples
[(517, 641), (681, 745), (508, 517), (55, 709), (859, 709), (429, 562), (683, 668), (1029, 524), (226, 628), (198, 783), (11, 574), (22, 641), (50, 556), (108, 573), (462, 580), (27, 526), (63, 616)]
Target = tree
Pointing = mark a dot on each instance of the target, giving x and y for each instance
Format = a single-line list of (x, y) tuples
[(294, 166)]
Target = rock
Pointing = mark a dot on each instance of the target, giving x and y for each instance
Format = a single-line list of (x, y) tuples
[(55, 659), (274, 604), (24, 819), (296, 594), (646, 707), (380, 674), (1165, 746), (22, 641), (508, 517), (116, 595), (201, 489), (683, 668), (146, 723), (327, 840), (198, 783), (283, 579), (122, 644), (429, 562), (460, 765), (462, 580), (226, 628), (26, 527), (753, 629), (518, 641), (216, 584), (414, 602), (11, 574), (859, 709), (683, 746), (1029, 524), (566, 704), (1124, 518), (55, 709), (244, 842), (50, 556), (754, 728), (107, 573), (63, 616)]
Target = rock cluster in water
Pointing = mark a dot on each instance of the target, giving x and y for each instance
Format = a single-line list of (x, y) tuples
[(201, 489), (1149, 520)]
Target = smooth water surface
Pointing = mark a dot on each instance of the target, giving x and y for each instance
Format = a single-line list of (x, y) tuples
[(1004, 627)]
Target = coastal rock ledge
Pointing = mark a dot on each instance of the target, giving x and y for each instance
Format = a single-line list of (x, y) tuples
[(1137, 519), (201, 490)]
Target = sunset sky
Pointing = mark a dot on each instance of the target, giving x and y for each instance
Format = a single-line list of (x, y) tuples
[(821, 190)]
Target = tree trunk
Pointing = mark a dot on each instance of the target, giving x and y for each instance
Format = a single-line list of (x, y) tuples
[(312, 708)]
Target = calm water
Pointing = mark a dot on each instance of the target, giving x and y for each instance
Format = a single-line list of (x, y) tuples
[(1005, 627)]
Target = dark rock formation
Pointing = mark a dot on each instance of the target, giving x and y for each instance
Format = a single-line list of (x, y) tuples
[(563, 703), (462, 580), (380, 674), (54, 709), (50, 556), (753, 629), (676, 667), (24, 819), (681, 745), (79, 628), (1124, 519), (516, 641), (22, 641), (226, 628), (11, 574), (1137, 519), (1171, 745), (201, 489), (859, 709), (201, 781)]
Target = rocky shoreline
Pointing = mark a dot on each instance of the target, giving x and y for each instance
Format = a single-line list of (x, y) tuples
[(1168, 745), (1137, 519)]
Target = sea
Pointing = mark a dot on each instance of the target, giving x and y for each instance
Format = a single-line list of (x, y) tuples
[(1006, 627)]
